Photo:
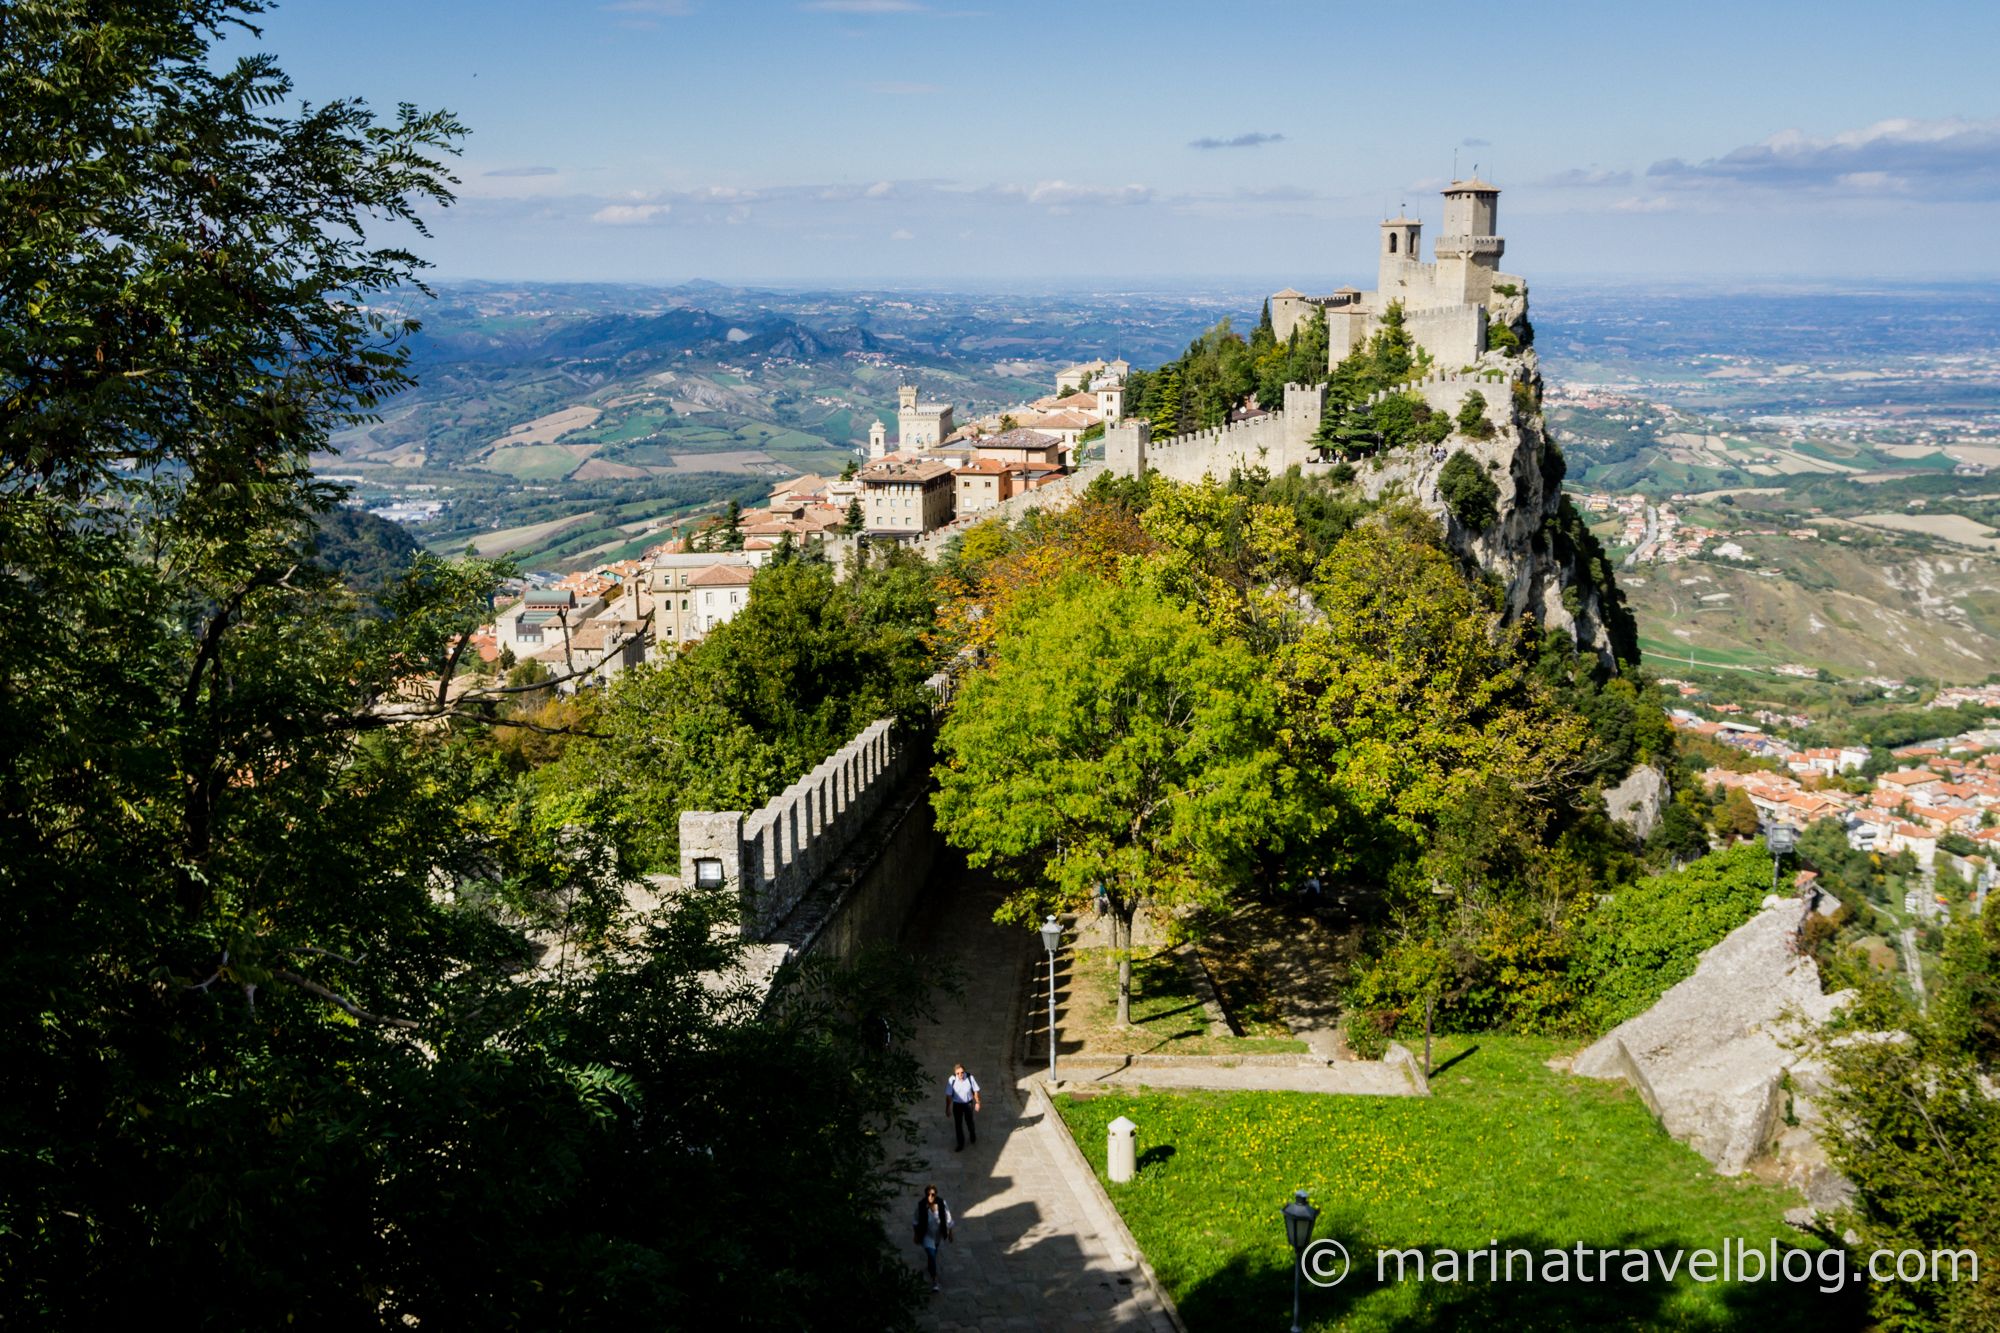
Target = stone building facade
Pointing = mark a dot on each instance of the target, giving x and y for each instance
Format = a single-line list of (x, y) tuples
[(1448, 301)]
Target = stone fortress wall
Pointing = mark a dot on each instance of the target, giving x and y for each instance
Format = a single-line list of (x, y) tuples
[(774, 855), (1275, 441)]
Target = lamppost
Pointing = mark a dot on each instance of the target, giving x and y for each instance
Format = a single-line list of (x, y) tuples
[(1299, 1218), (1780, 838), (1051, 937)]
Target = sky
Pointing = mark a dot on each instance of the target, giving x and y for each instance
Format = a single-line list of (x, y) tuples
[(1155, 143)]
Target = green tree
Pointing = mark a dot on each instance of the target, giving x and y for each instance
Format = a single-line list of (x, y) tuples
[(1405, 697), (1163, 408), (1912, 1122), (1113, 744), (854, 521), (269, 1005), (1472, 496), (1736, 817)]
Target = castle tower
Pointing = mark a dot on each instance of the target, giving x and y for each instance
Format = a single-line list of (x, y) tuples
[(1402, 246), (1402, 238), (1472, 223), (906, 398), (878, 440)]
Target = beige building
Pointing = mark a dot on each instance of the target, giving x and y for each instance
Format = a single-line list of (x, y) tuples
[(919, 426), (1071, 378), (1021, 446), (718, 593), (986, 482), (903, 497), (677, 610)]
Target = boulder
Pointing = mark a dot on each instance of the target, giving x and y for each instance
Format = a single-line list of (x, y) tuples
[(1712, 1058), (1638, 800)]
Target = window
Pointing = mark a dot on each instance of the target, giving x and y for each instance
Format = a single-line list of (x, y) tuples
[(733, 597), (1392, 242)]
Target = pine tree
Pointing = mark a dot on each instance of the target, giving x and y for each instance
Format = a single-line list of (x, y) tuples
[(1166, 405)]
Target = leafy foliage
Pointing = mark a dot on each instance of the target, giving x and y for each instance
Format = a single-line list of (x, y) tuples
[(1918, 1132), (1113, 742), (301, 1023), (370, 554), (1650, 935), (1471, 495)]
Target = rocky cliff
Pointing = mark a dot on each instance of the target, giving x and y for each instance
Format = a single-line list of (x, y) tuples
[(1537, 550)]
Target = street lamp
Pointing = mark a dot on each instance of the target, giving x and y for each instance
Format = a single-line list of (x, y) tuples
[(1051, 937), (1780, 838), (1299, 1218)]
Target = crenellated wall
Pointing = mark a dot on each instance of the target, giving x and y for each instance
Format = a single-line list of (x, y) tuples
[(1274, 441), (772, 856)]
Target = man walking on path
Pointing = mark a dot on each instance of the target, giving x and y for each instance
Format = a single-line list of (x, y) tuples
[(961, 1096)]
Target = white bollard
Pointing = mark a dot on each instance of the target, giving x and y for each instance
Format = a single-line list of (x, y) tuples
[(1121, 1157)]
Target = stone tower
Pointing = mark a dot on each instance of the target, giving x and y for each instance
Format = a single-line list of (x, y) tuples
[(878, 439), (1471, 223), (1402, 245), (1469, 248)]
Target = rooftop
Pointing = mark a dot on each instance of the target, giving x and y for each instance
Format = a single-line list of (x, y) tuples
[(893, 469), (722, 576), (1019, 438)]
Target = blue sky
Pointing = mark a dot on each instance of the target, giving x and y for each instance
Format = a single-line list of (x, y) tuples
[(954, 141)]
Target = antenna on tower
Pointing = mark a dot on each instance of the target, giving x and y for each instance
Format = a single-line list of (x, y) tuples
[(1454, 164)]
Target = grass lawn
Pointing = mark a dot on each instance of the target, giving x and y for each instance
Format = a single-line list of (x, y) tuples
[(1504, 1150), (1167, 1017)]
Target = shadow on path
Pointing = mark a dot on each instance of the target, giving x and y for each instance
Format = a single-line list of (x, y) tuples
[(1027, 1255)]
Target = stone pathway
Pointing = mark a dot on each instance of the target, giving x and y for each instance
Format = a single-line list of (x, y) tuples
[(1365, 1078), (1033, 1250)]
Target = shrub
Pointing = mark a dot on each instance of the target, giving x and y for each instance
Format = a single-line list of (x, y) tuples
[(1505, 289), (1471, 495), (1501, 338), (1472, 420), (1649, 936)]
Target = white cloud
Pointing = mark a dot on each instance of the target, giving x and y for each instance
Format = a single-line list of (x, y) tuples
[(629, 215), (1062, 194), (1947, 158), (902, 234)]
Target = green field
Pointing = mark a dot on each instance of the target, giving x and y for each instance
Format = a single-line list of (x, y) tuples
[(1505, 1150), (534, 462)]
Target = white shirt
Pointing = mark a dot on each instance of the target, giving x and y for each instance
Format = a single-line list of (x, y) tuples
[(961, 1089)]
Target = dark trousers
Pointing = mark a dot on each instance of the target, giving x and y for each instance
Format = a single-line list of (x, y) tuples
[(961, 1123)]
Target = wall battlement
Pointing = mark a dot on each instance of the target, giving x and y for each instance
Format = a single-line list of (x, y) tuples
[(773, 855), (1275, 441)]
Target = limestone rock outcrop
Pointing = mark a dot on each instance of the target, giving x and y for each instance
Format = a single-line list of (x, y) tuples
[(1721, 1057), (1637, 802)]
